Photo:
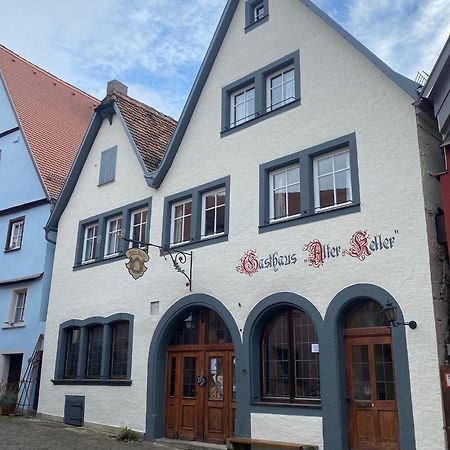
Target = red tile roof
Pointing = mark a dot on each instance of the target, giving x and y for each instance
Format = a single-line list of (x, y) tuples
[(151, 130), (53, 114)]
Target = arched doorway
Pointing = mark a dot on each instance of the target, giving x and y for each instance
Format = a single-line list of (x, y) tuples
[(200, 400), (370, 376)]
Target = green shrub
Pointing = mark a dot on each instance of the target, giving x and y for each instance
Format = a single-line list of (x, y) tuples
[(128, 435)]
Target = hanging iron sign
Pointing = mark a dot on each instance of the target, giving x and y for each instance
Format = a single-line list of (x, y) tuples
[(136, 264), (138, 257), (361, 246)]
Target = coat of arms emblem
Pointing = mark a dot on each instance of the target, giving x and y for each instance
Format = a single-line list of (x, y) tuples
[(136, 264)]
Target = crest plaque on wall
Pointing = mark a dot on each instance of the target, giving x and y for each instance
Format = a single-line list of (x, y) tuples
[(136, 264)]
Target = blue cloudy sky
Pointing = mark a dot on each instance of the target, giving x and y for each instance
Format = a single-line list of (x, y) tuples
[(156, 46)]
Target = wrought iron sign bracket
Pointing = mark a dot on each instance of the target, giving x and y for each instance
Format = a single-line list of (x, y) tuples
[(178, 257)]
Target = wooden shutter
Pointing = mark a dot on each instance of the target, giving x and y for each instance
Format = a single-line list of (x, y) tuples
[(108, 165)]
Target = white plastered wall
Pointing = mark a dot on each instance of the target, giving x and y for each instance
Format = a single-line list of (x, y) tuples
[(342, 93)]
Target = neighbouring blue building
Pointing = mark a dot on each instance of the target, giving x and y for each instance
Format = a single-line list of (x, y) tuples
[(42, 124)]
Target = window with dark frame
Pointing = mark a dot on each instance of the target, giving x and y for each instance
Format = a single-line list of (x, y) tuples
[(198, 216), (256, 13), (290, 358), (72, 352), (119, 350), (99, 236), (94, 352), (20, 298), (15, 234), (312, 184), (261, 94)]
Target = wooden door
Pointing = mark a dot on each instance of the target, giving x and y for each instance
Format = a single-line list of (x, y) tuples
[(200, 396), (373, 418)]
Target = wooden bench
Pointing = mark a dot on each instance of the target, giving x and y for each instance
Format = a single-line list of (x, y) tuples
[(238, 443)]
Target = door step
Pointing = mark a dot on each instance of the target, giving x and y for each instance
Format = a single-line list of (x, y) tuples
[(189, 445)]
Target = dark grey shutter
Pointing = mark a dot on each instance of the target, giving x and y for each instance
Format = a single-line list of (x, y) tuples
[(108, 165), (74, 410)]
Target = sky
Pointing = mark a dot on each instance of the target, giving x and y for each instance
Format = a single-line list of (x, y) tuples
[(156, 47)]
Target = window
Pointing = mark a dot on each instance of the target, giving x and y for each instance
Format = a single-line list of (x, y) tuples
[(90, 243), (285, 192), (107, 166), (213, 213), (243, 106), (181, 222), (198, 216), (15, 234), (99, 237), (261, 94), (72, 352), (332, 179), (95, 351), (119, 350), (312, 184), (113, 230), (256, 13), (280, 88), (290, 358), (139, 226), (18, 307)]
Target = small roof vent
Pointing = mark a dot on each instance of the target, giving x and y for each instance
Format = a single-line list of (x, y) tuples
[(116, 86)]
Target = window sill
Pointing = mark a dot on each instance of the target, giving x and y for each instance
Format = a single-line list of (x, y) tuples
[(197, 244), (9, 250), (259, 117), (310, 217), (12, 326), (251, 26), (297, 409), (88, 382), (98, 262)]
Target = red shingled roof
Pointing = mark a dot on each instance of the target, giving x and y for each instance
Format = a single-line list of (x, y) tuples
[(150, 129), (53, 114)]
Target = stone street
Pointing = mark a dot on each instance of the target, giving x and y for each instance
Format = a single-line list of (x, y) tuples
[(18, 433)]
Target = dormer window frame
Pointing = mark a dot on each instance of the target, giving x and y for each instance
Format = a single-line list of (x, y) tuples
[(256, 13)]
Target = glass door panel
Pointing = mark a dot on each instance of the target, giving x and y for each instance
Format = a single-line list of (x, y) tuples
[(189, 376), (384, 371), (361, 372), (215, 379)]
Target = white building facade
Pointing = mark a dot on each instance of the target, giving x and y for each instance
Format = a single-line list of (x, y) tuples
[(298, 177)]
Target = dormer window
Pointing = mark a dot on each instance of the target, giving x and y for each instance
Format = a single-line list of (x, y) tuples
[(256, 13)]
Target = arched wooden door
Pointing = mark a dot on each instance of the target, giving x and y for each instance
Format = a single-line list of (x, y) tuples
[(200, 380), (373, 417)]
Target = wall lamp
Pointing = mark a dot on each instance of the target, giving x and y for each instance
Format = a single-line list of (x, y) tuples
[(390, 312)]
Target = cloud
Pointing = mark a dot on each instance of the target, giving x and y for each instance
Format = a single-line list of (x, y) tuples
[(407, 34)]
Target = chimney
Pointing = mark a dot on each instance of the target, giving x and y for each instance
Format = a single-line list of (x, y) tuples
[(116, 86)]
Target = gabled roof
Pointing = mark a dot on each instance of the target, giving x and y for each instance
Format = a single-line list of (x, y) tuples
[(53, 115), (155, 179), (150, 129), (149, 132)]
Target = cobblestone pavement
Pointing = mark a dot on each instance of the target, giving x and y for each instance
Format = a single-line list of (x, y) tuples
[(17, 433)]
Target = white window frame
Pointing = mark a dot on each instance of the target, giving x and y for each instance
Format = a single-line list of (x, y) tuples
[(183, 217), (133, 224), (316, 160), (215, 207), (284, 101), (113, 235), (17, 294), (15, 240), (247, 117), (85, 239), (272, 187), (257, 15)]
